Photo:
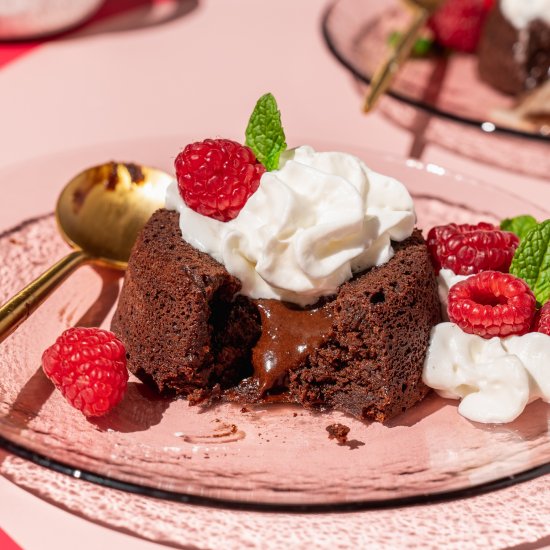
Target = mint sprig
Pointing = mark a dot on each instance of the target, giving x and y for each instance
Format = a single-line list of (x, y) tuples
[(531, 261), (422, 47), (265, 134), (520, 225)]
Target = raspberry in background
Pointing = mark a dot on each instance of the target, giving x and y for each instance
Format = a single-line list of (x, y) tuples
[(88, 366), (458, 23), (492, 303), (217, 176), (467, 249), (542, 320)]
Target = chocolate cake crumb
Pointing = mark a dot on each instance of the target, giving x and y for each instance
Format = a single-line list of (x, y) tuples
[(198, 396), (205, 396), (339, 432)]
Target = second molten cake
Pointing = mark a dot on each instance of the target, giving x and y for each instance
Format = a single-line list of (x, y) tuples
[(360, 352), (514, 52)]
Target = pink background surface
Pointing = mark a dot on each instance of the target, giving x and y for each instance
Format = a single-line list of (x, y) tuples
[(198, 75)]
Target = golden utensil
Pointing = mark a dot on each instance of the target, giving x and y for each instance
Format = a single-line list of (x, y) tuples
[(384, 75), (99, 213)]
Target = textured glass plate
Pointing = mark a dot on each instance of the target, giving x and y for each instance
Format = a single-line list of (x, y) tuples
[(357, 33), (276, 457)]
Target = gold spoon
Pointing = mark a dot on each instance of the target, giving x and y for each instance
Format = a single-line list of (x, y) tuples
[(384, 75), (99, 213)]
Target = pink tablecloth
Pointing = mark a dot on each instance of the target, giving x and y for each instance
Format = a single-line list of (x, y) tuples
[(164, 68)]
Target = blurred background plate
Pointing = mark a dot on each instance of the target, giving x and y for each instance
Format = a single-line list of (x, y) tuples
[(31, 19), (440, 98)]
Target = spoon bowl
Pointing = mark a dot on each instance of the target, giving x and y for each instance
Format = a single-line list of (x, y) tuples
[(99, 213), (102, 209)]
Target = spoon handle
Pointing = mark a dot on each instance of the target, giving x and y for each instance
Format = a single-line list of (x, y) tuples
[(385, 74), (20, 307)]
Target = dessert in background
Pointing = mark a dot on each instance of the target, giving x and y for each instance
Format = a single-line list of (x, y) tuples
[(514, 57), (510, 37), (514, 51), (458, 24), (511, 41)]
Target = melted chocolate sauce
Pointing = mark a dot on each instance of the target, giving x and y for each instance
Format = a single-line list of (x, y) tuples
[(289, 333)]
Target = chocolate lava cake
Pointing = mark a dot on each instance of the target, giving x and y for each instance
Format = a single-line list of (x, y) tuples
[(188, 331), (514, 60)]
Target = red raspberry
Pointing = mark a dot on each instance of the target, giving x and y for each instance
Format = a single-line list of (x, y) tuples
[(216, 177), (458, 23), (88, 366), (542, 320), (468, 249), (491, 303)]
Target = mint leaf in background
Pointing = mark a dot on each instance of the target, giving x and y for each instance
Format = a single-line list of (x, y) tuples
[(422, 47), (531, 261), (264, 133), (520, 225)]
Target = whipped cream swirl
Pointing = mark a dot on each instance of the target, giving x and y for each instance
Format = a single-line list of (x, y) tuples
[(310, 225), (521, 12), (495, 378)]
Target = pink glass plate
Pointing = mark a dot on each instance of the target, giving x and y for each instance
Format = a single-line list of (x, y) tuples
[(357, 32), (277, 458)]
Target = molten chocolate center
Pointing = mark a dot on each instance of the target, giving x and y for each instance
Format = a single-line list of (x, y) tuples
[(289, 334)]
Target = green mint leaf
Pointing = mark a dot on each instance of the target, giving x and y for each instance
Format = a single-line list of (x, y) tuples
[(264, 133), (520, 225), (531, 261), (422, 47)]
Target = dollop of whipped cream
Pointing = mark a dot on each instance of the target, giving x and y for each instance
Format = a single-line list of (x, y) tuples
[(495, 378), (521, 12), (445, 280), (310, 225)]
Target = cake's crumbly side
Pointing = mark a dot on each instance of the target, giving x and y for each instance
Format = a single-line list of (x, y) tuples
[(370, 366), (176, 314)]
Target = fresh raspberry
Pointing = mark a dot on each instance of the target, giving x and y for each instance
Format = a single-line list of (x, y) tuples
[(491, 303), (542, 320), (468, 249), (458, 23), (216, 177), (88, 366)]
